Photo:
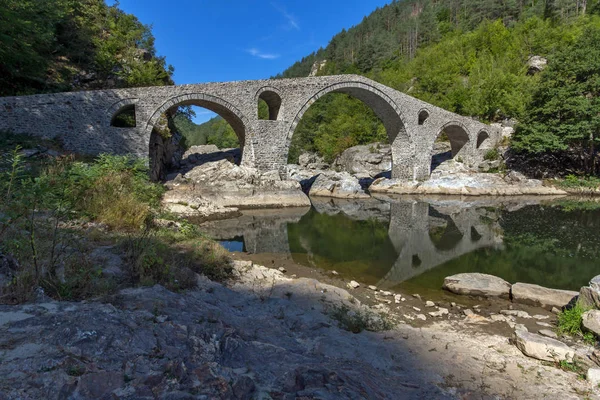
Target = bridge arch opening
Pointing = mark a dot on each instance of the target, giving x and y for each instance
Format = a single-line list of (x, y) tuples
[(124, 117), (423, 116), (349, 114), (449, 144), (195, 120), (269, 105), (483, 140)]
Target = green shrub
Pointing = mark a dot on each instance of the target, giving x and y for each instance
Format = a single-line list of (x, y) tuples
[(356, 321), (491, 155), (569, 320)]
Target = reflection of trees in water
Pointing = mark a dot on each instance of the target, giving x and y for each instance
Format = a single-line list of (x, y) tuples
[(543, 245), (355, 247)]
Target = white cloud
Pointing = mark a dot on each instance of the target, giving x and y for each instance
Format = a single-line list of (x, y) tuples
[(291, 20), (266, 56)]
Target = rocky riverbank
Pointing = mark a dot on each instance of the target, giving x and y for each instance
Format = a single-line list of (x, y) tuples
[(209, 184), (265, 335)]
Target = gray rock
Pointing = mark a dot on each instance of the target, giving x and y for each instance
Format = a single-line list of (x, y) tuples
[(593, 376), (591, 321), (516, 313), (338, 185), (542, 348), (548, 333), (536, 64), (526, 293), (477, 284), (589, 296), (366, 160), (353, 284)]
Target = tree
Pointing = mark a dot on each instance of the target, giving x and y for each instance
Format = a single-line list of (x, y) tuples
[(565, 111)]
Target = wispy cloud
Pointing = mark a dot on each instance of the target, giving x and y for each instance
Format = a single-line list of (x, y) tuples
[(266, 56), (291, 20)]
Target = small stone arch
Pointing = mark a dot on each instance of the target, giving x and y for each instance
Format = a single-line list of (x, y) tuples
[(272, 97), (483, 139), (385, 108), (120, 107), (423, 116), (458, 135)]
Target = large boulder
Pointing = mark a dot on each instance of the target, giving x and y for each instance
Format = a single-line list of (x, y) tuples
[(221, 184), (589, 296), (477, 284), (591, 321), (366, 160), (340, 185), (536, 64), (526, 293), (312, 161), (542, 348)]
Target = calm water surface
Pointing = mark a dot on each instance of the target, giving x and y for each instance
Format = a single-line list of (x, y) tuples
[(416, 243)]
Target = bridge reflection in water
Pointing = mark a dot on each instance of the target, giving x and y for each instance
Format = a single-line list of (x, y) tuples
[(383, 242)]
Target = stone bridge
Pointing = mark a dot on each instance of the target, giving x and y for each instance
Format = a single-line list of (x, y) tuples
[(84, 121)]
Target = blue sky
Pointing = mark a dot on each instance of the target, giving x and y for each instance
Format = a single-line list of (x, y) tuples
[(228, 40)]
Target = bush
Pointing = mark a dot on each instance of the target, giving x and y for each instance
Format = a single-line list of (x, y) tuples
[(356, 321), (491, 155), (569, 322), (42, 219)]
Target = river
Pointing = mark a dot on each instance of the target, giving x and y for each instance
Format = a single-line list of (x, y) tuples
[(413, 243)]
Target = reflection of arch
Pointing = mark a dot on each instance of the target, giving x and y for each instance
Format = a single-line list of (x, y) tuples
[(418, 252), (482, 138), (270, 96), (386, 109), (228, 112), (446, 235), (118, 108), (423, 115)]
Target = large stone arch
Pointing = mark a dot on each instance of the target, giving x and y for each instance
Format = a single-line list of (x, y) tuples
[(238, 121), (385, 108)]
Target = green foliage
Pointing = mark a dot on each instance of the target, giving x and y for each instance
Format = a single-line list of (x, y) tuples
[(356, 321), (491, 155), (50, 45), (220, 133), (564, 110), (334, 123), (576, 182), (43, 221), (114, 190), (569, 320), (468, 57)]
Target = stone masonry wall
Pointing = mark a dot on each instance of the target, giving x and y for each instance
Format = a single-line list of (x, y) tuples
[(82, 120)]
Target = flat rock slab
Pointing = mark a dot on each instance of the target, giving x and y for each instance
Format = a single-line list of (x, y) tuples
[(477, 284), (526, 293), (591, 321), (542, 348)]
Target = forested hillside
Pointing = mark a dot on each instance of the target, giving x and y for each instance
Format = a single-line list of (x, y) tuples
[(469, 57), (64, 45)]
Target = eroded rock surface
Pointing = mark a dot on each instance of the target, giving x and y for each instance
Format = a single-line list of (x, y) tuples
[(527, 293), (366, 160), (477, 284), (542, 348), (214, 185)]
